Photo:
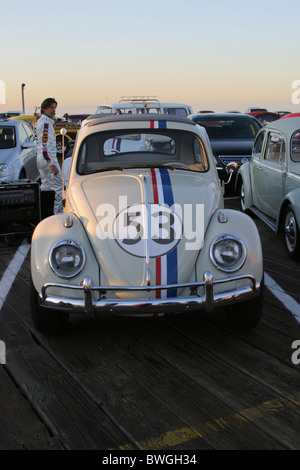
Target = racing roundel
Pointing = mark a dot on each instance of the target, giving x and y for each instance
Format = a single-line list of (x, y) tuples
[(155, 227)]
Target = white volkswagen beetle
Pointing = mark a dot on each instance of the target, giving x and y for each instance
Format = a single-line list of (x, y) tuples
[(144, 230)]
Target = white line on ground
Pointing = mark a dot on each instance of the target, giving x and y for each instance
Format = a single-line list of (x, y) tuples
[(288, 301), (12, 270)]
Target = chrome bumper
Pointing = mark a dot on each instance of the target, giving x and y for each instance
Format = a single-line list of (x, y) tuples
[(154, 306)]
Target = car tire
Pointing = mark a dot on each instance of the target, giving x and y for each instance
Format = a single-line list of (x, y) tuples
[(241, 193), (46, 320), (59, 146), (291, 233), (22, 175), (247, 315)]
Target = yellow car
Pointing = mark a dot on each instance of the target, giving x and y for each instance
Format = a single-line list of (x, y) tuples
[(69, 138)]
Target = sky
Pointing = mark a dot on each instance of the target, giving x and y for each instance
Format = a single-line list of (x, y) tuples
[(215, 54)]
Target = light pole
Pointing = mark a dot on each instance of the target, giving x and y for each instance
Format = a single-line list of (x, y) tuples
[(22, 91)]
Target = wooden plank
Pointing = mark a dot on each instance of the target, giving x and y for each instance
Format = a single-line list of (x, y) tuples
[(135, 389), (219, 425), (70, 414), (20, 427), (231, 385)]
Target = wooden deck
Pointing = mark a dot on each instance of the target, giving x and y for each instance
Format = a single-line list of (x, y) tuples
[(175, 383)]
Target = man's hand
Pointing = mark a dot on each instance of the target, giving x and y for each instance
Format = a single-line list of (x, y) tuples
[(54, 169)]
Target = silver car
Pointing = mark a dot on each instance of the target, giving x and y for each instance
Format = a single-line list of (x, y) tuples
[(17, 151), (269, 185)]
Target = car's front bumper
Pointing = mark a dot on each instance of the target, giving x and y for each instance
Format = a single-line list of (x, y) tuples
[(208, 300)]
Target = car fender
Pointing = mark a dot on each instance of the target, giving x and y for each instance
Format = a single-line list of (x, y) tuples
[(242, 226), (66, 136), (50, 231), (244, 175), (293, 199)]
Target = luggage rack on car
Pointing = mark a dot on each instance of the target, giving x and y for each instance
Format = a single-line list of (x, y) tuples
[(139, 99)]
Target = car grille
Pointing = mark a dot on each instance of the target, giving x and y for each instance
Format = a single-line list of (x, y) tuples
[(239, 159)]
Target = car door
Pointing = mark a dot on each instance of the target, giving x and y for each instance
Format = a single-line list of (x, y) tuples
[(28, 155), (256, 167), (268, 175)]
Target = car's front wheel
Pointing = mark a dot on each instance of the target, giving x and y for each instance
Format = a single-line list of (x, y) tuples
[(247, 315), (60, 147), (291, 233), (46, 320), (241, 193)]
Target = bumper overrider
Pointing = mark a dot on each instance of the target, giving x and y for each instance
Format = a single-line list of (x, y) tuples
[(207, 301)]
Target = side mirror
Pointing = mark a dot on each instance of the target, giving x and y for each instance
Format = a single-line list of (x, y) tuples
[(231, 168), (28, 144)]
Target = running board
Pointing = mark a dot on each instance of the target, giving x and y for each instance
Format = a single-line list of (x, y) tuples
[(266, 219)]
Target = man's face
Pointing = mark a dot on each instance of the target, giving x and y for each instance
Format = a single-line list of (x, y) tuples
[(50, 112)]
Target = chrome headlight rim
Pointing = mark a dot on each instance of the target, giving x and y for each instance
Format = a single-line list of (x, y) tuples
[(4, 170), (239, 263), (67, 242)]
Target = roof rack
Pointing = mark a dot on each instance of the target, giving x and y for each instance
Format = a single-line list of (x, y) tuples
[(140, 99)]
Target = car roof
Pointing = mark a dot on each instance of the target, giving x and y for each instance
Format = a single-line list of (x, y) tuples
[(220, 115), (286, 125), (9, 122), (259, 113), (95, 119)]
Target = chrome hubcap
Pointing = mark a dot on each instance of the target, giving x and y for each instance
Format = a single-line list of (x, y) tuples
[(290, 230)]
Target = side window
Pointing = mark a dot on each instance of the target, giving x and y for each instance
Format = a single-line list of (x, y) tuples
[(22, 134), (29, 132), (257, 148), (275, 149), (296, 147)]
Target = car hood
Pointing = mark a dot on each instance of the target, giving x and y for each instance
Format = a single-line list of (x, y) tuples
[(144, 224), (6, 155), (232, 147)]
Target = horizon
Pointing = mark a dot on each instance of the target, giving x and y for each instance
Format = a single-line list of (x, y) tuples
[(215, 56)]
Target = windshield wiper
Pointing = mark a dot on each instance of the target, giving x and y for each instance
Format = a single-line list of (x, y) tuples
[(100, 170)]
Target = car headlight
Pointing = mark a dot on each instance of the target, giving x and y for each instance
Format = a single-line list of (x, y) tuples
[(67, 258), (228, 252), (3, 170)]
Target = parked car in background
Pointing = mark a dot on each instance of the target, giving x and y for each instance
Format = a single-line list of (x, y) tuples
[(144, 230), (264, 117), (231, 137), (290, 115), (269, 185), (144, 105), (77, 117), (252, 109), (282, 113), (69, 138), (9, 114), (17, 151)]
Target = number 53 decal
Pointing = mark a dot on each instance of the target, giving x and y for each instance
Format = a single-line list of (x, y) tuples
[(156, 223)]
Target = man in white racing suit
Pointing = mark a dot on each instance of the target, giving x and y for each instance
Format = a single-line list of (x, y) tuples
[(47, 163)]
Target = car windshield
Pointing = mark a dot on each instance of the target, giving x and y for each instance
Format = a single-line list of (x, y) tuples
[(7, 137), (229, 128), (140, 149)]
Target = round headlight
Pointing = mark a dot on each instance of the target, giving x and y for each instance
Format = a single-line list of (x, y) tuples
[(67, 258), (228, 252), (3, 170)]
